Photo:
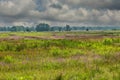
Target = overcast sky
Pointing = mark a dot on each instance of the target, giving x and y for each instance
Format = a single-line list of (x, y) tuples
[(60, 12)]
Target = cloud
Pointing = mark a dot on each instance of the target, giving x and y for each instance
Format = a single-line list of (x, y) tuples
[(16, 7), (15, 10), (58, 6), (82, 15), (60, 12), (96, 4)]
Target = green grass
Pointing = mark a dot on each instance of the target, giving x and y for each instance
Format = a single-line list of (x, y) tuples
[(60, 59), (4, 35)]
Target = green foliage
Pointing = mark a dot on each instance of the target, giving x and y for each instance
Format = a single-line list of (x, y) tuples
[(107, 41), (59, 77), (8, 59), (55, 51), (22, 78), (63, 47)]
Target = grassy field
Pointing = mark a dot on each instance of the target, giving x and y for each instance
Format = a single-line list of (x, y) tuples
[(60, 55)]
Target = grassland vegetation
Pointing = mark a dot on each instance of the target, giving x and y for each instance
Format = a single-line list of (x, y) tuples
[(75, 56)]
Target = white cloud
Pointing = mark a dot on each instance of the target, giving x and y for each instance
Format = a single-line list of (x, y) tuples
[(22, 24), (15, 7)]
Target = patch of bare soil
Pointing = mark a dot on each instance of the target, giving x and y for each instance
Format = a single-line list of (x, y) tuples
[(82, 36), (23, 37), (33, 37), (11, 38), (66, 36)]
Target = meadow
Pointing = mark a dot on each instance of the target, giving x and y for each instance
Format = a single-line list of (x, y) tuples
[(82, 55)]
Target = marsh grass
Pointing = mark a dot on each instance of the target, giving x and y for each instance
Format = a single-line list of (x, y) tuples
[(8, 59), (61, 59)]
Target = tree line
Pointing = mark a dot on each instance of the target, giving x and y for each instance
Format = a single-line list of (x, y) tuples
[(39, 28), (46, 27)]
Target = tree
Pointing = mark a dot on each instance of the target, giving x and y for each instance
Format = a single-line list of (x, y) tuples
[(17, 28), (13, 29), (87, 29), (60, 29), (42, 27), (68, 28), (52, 29), (27, 29)]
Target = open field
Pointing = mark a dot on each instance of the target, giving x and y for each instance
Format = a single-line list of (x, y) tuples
[(60, 55)]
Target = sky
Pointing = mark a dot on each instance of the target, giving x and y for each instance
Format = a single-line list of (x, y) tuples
[(60, 12)]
